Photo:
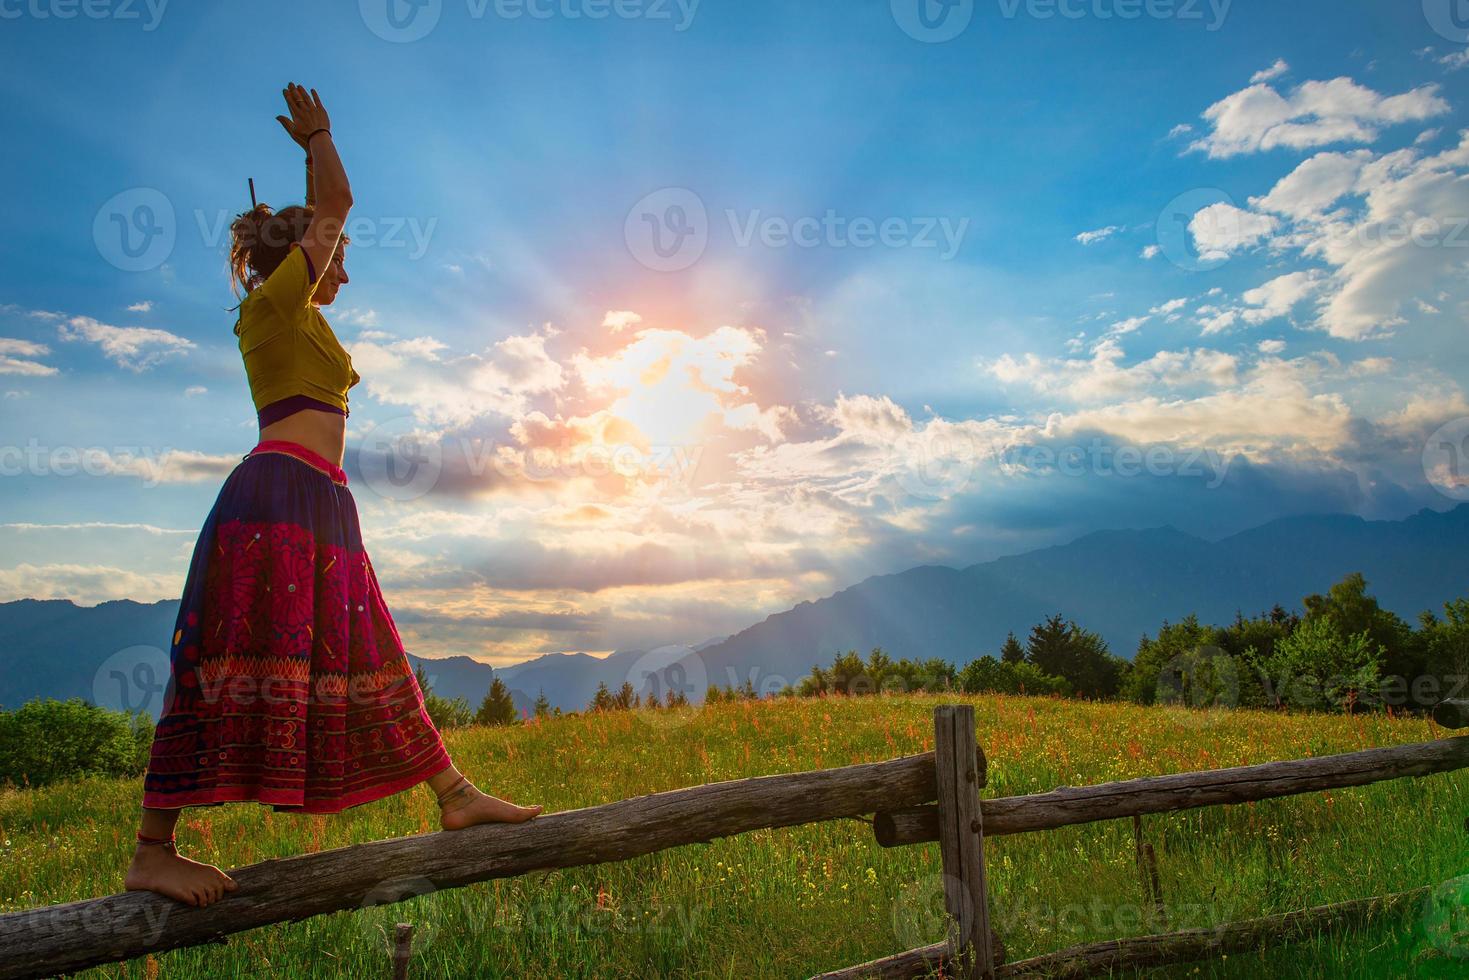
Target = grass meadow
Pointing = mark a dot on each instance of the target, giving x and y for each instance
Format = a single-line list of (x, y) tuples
[(793, 902)]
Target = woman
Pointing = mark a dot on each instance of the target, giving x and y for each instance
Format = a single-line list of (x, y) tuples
[(289, 684)]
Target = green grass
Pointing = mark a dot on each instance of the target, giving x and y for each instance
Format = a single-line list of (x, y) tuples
[(789, 903)]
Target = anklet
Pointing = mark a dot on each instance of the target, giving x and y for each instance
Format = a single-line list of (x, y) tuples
[(460, 787), (168, 841)]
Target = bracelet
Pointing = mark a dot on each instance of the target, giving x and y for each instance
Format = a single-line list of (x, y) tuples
[(314, 132), (169, 840)]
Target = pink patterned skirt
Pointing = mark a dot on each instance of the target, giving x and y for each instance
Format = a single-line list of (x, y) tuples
[(289, 685)]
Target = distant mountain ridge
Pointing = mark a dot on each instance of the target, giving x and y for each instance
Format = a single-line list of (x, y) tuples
[(1121, 584)]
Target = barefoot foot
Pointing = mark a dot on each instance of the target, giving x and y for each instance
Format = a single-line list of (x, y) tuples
[(159, 868), (467, 806)]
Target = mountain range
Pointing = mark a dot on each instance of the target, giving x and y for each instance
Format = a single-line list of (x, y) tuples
[(1121, 584)]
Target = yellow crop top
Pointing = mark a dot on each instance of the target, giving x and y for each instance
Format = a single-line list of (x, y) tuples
[(288, 346)]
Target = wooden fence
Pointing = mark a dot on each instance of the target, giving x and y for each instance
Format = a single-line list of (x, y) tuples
[(916, 799)]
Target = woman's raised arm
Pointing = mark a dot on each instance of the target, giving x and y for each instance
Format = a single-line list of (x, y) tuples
[(310, 126)]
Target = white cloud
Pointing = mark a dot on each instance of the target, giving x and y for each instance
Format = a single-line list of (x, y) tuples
[(619, 320), (1315, 185), (1455, 60), (455, 390), (194, 391), (17, 357), (1314, 114), (1222, 229), (1279, 296), (356, 317), (1271, 73), (146, 306), (1099, 235), (1213, 320), (1126, 326), (1171, 310), (85, 583), (1271, 346), (134, 348), (1104, 376)]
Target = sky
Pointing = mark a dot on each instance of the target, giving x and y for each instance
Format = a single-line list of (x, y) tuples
[(673, 314)]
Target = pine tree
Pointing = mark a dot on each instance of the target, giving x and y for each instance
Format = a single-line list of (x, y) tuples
[(626, 697), (498, 707), (602, 700), (543, 707), (1012, 652)]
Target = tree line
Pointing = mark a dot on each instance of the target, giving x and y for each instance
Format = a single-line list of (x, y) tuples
[(1344, 653)]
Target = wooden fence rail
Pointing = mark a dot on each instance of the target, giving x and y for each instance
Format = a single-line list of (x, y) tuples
[(1159, 794), (64, 938)]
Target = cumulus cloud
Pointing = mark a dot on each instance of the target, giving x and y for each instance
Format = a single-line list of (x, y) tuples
[(1314, 114), (1221, 229), (133, 348), (441, 389), (1105, 376)]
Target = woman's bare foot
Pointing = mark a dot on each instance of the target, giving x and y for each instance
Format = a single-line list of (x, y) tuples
[(159, 868), (466, 806)]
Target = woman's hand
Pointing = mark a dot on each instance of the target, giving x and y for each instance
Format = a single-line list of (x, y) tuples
[(307, 115)]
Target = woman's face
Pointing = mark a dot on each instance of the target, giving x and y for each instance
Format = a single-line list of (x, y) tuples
[(333, 279)]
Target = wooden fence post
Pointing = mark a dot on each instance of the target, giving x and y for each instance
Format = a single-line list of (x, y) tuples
[(402, 950), (961, 840)]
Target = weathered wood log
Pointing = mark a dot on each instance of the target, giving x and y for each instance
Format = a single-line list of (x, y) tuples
[(1188, 945), (1452, 714), (961, 841), (63, 938), (1158, 794), (1094, 959)]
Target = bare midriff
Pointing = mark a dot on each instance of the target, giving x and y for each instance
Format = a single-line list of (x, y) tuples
[(324, 433)]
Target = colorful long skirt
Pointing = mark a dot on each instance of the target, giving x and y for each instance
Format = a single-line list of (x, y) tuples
[(289, 682)]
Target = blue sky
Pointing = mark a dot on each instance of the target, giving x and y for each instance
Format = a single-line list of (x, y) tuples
[(913, 276)]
